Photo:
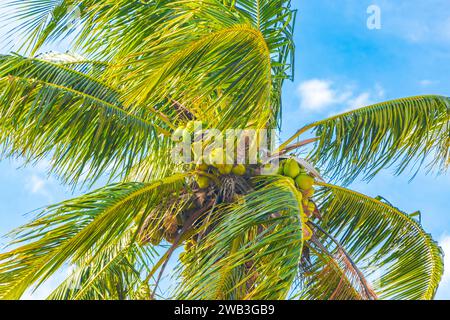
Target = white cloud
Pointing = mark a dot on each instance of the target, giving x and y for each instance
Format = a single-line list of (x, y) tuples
[(320, 94), (317, 94), (36, 184), (426, 82), (421, 22), (39, 186), (361, 100)]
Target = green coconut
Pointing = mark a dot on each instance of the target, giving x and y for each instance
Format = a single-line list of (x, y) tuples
[(179, 132), (291, 168), (202, 167), (216, 157), (189, 244), (311, 207), (309, 193), (280, 170), (239, 170), (304, 182), (225, 168), (203, 182)]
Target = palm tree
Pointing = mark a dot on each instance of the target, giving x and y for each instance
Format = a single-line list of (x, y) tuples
[(148, 67)]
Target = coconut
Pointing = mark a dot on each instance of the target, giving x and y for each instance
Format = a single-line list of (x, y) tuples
[(183, 257), (309, 193), (202, 167), (189, 244), (179, 132), (291, 168), (304, 182), (311, 206), (225, 168), (216, 157), (202, 181), (281, 168), (239, 170)]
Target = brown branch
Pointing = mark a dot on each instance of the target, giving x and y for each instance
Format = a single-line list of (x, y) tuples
[(367, 288), (187, 226), (338, 287), (295, 146)]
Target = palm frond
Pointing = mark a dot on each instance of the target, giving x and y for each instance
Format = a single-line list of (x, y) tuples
[(275, 20), (229, 86), (95, 69), (101, 29), (389, 246), (244, 61), (254, 249), (84, 226), (330, 274), (35, 18), (48, 109), (114, 274), (402, 133)]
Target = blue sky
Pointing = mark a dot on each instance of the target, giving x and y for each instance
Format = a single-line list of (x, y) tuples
[(340, 65)]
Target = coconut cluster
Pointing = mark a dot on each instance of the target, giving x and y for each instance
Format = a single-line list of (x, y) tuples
[(217, 167), (211, 161), (219, 178), (172, 225), (304, 182)]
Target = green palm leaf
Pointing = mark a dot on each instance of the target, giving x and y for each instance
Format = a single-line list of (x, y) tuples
[(390, 247), (74, 229), (167, 37), (254, 249), (402, 133), (275, 19), (114, 274), (233, 76), (99, 28), (47, 109)]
